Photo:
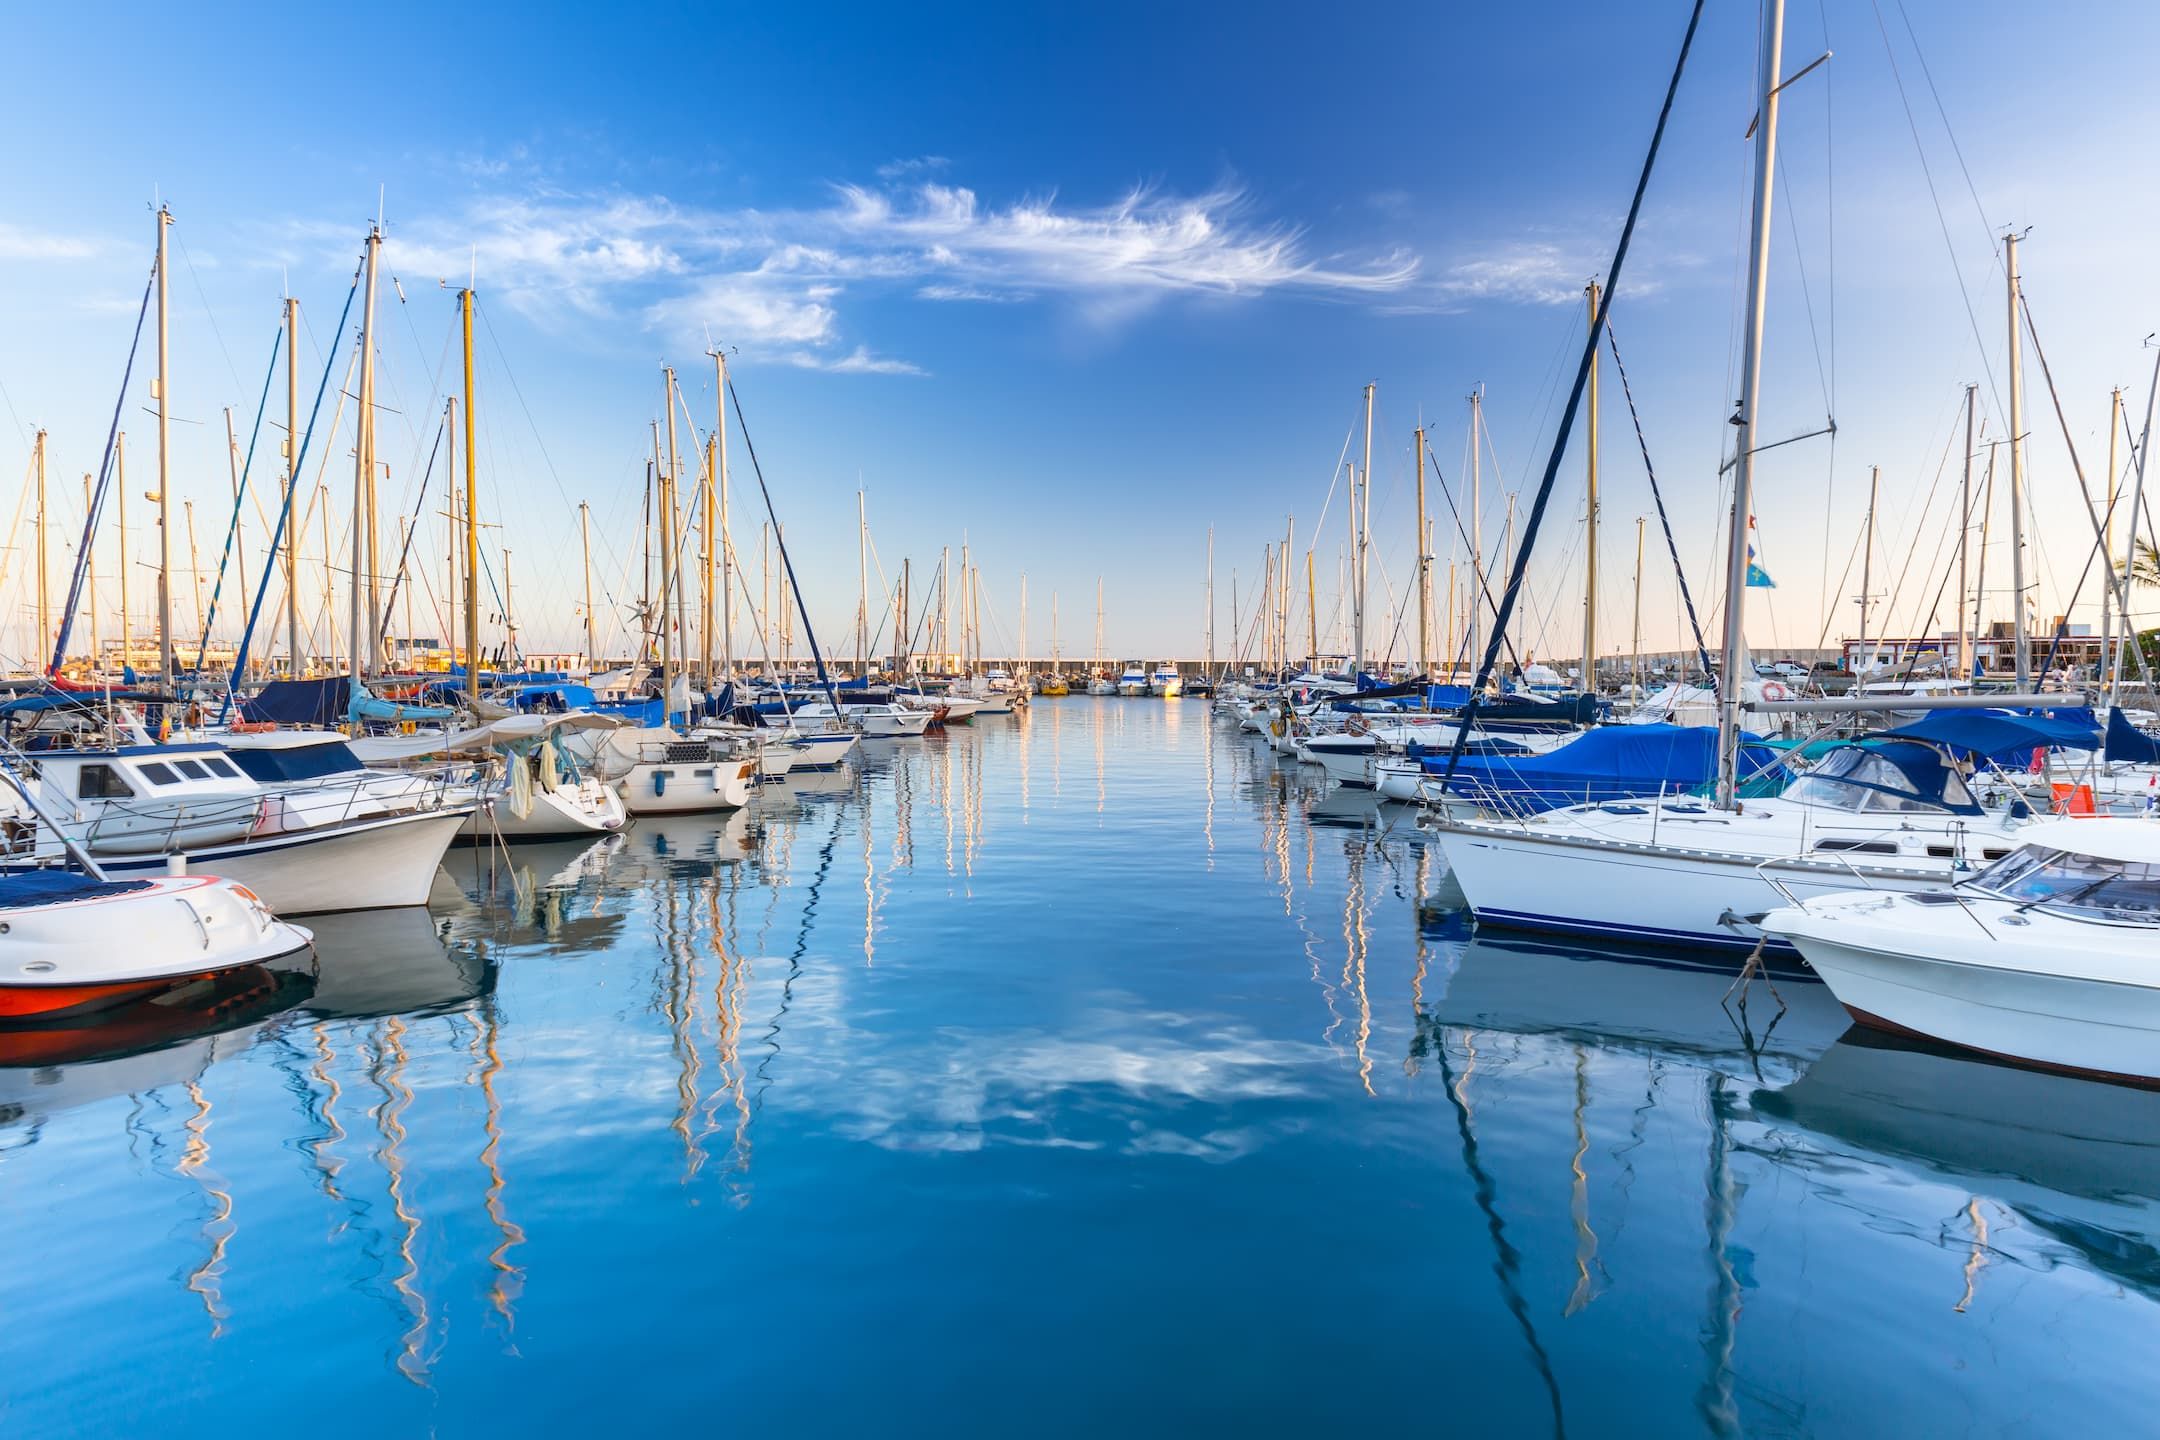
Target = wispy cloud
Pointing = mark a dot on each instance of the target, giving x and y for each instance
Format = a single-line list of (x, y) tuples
[(20, 243), (777, 281)]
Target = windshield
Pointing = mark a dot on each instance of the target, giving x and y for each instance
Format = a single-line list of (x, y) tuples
[(2073, 884), (1868, 782)]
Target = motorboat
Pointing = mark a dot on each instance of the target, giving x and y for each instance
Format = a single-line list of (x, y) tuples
[(71, 943), (2045, 957), (1165, 681), (342, 838), (1132, 682), (663, 772)]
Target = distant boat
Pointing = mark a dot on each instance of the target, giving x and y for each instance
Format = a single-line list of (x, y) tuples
[(1166, 681), (1133, 682)]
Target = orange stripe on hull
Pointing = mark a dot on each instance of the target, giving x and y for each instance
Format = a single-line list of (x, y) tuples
[(38, 1002)]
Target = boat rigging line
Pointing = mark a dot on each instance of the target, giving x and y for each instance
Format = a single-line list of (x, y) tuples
[(1574, 403)]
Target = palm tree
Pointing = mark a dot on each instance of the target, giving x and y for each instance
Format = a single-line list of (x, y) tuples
[(2143, 566)]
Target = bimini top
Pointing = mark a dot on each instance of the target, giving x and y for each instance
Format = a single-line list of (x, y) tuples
[(2002, 734), (2135, 842)]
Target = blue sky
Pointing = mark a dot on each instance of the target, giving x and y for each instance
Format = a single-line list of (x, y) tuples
[(1083, 285)]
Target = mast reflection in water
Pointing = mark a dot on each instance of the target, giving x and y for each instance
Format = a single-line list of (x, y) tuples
[(940, 1094)]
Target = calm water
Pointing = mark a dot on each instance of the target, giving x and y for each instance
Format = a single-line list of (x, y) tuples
[(1084, 1072)]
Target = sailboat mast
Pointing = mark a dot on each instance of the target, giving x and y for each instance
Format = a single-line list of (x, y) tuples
[(592, 642), (1098, 623), (194, 569), (1635, 642), (862, 585), (666, 509), (90, 578), (162, 391), (1475, 619), (1736, 557), (1361, 510), (44, 583), (2107, 547), (727, 549), (127, 636), (1288, 549), (472, 511), (1312, 606), (1210, 607), (361, 627), (2023, 641), (1023, 666), (1424, 567), (1964, 630), (1867, 572), (1590, 511), (239, 531), (2137, 508), (292, 508), (708, 592)]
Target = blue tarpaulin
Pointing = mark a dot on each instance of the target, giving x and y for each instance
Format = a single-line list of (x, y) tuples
[(2126, 742), (298, 702), (2007, 736), (1612, 762)]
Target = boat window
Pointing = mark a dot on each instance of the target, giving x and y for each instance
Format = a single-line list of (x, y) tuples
[(194, 769), (219, 765), (298, 762), (157, 772), (1866, 782), (1862, 847), (2081, 885), (101, 782)]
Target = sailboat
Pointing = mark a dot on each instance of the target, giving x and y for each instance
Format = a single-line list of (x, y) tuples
[(1691, 872)]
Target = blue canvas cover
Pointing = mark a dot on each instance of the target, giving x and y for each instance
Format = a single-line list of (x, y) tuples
[(298, 702), (23, 888), (1612, 762), (2126, 742), (2005, 736)]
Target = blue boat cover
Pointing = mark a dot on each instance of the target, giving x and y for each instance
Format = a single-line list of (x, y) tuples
[(298, 702), (2007, 736), (1612, 762), (2126, 742), (22, 888)]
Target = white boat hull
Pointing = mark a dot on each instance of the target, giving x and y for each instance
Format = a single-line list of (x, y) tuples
[(591, 807), (1634, 894), (368, 865), (689, 788), (1984, 976), (86, 952)]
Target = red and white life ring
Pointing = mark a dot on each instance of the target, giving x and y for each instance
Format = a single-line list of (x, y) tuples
[(1776, 690)]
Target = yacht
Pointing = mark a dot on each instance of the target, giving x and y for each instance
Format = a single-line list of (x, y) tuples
[(1166, 681), (1133, 681), (2046, 957), (1897, 815), (343, 838)]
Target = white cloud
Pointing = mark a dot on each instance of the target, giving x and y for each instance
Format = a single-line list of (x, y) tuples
[(18, 243), (776, 281)]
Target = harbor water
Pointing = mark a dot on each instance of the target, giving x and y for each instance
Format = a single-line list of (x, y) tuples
[(1094, 1070)]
